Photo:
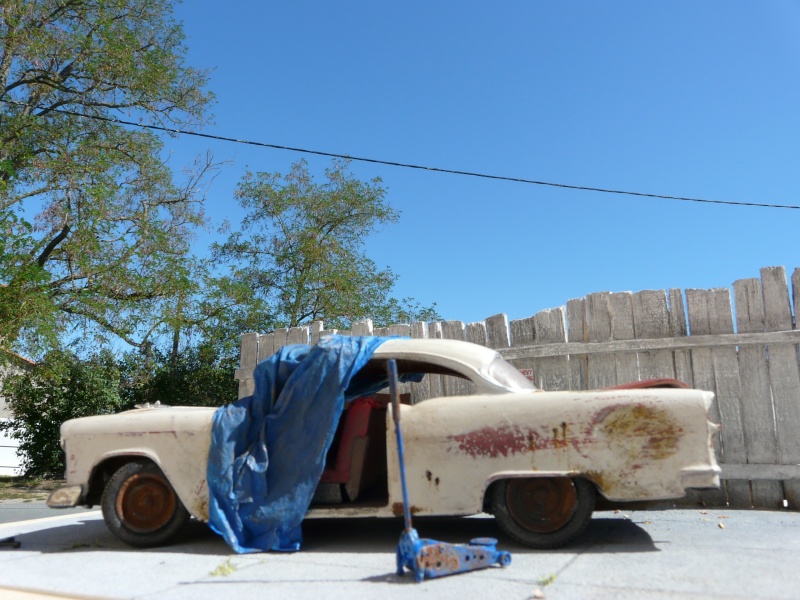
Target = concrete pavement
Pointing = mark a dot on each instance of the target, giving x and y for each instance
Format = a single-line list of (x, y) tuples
[(674, 553)]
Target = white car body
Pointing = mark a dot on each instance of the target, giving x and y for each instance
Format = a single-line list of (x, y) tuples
[(631, 444)]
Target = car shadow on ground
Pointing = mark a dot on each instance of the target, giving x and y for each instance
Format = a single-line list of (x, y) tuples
[(602, 535)]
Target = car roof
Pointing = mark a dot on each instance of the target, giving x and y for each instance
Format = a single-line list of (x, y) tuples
[(446, 357), (437, 351)]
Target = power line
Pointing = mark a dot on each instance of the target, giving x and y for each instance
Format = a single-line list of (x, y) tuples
[(407, 165)]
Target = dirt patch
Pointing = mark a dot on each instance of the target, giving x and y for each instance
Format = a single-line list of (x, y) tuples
[(27, 489)]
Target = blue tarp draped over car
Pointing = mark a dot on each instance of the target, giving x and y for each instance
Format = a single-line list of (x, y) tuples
[(268, 450)]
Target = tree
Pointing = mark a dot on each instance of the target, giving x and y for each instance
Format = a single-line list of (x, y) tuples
[(107, 247), (298, 255)]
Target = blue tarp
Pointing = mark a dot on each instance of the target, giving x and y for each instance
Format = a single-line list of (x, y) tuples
[(268, 450)]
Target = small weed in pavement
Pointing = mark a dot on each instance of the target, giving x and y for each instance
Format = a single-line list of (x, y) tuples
[(545, 581), (224, 569), (81, 545)]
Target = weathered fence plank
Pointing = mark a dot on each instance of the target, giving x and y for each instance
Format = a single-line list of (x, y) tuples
[(455, 386), (279, 339), (796, 297), (362, 327), (707, 315), (247, 362), (682, 362), (419, 330), (316, 331), (401, 330), (651, 319), (551, 373), (420, 390), (266, 346), (726, 374), (678, 330), (576, 332), (621, 311), (757, 412), (522, 334), (784, 376), (497, 331), (297, 335), (476, 333), (701, 366), (435, 384), (601, 369)]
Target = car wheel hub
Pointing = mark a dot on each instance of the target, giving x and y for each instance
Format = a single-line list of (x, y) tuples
[(145, 502), (542, 504)]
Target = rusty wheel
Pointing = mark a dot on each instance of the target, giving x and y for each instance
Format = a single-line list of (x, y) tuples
[(140, 507), (543, 512)]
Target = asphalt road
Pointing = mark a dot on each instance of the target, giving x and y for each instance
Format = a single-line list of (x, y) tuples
[(17, 510), (674, 553)]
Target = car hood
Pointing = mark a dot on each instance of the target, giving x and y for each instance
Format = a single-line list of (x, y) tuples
[(142, 420)]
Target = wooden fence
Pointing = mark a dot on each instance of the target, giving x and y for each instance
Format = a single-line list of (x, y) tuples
[(749, 357)]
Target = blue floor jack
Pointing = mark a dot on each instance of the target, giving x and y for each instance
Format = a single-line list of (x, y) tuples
[(429, 558)]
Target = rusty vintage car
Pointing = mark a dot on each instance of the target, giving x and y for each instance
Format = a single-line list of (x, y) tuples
[(538, 461)]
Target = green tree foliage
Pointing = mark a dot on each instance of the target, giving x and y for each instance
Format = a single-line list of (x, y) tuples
[(94, 229), (197, 376), (299, 255), (61, 387)]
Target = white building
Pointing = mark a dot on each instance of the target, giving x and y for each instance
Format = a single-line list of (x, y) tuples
[(9, 461)]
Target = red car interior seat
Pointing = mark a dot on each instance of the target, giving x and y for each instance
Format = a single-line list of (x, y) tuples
[(351, 446)]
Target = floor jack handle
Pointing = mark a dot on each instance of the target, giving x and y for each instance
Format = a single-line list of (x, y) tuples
[(391, 368), (429, 558)]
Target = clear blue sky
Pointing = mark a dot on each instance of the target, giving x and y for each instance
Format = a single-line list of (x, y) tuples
[(684, 98)]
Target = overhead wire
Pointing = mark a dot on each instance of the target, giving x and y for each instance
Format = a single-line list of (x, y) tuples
[(408, 165)]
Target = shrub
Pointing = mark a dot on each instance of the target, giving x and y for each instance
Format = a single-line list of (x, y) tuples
[(197, 376), (61, 387)]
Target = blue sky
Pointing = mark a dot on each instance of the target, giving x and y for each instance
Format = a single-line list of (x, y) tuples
[(697, 99)]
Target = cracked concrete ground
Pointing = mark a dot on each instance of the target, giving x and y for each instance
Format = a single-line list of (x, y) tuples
[(677, 553)]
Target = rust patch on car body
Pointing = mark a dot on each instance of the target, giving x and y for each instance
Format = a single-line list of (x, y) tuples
[(644, 432), (397, 509), (431, 479), (201, 508), (598, 478), (144, 433), (493, 441), (511, 439)]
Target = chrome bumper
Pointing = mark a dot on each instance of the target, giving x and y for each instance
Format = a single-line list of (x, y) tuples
[(65, 497), (703, 477)]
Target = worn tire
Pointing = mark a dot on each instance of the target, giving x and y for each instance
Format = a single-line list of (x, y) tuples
[(543, 512), (140, 506)]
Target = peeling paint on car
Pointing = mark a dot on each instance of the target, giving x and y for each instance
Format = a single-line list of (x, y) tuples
[(397, 509), (493, 441), (505, 440), (200, 509), (645, 432)]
